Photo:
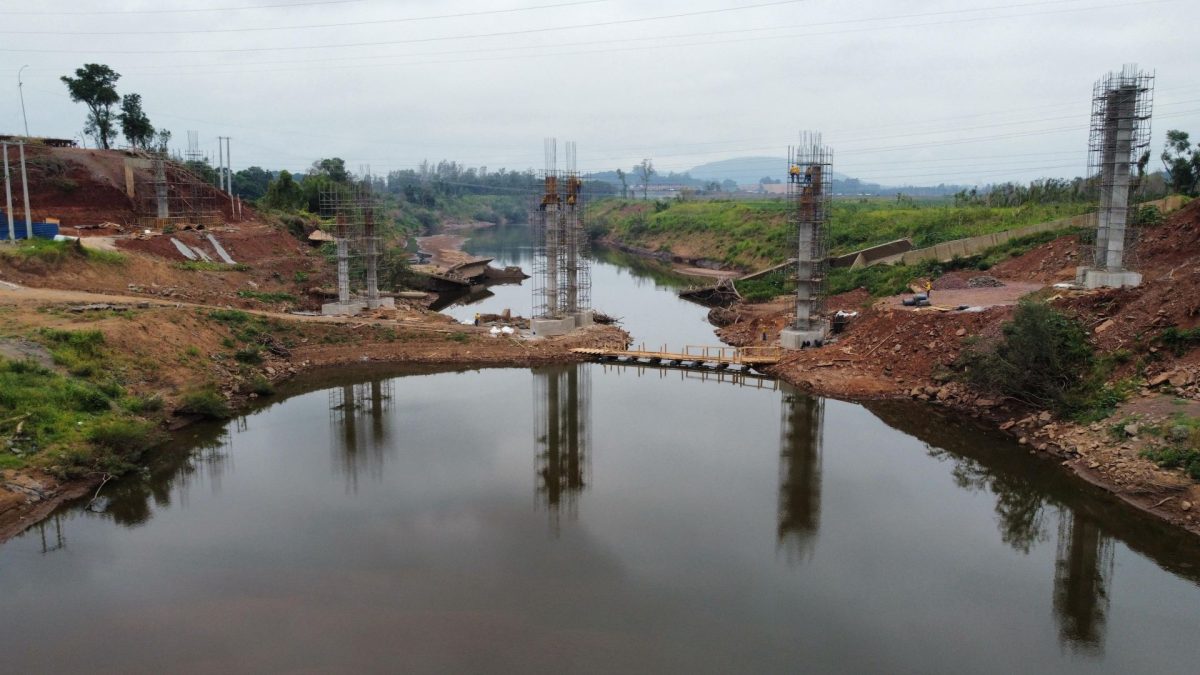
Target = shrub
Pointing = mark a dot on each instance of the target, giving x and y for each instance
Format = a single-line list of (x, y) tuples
[(125, 436), (1043, 360), (261, 386), (262, 296), (139, 405), (250, 355), (206, 403)]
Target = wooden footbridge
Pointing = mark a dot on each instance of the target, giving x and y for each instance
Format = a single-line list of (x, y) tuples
[(692, 356)]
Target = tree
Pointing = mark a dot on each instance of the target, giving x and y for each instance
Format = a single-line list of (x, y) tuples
[(333, 168), (94, 85), (624, 185), (251, 183), (161, 141), (645, 170), (135, 125), (1181, 162), (283, 193)]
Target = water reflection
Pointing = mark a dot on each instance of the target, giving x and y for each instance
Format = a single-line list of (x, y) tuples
[(1084, 559), (359, 423), (801, 436), (1083, 570), (562, 435)]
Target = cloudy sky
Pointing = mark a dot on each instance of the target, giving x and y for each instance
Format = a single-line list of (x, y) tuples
[(918, 92)]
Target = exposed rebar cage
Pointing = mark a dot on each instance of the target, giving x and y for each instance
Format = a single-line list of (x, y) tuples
[(801, 437), (1122, 104), (547, 227), (562, 438), (810, 172), (356, 213), (575, 282), (562, 283)]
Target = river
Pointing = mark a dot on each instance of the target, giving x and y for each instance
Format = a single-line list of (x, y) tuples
[(597, 519)]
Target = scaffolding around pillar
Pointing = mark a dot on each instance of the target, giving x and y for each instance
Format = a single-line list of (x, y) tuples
[(809, 191), (356, 214), (1122, 105), (562, 285)]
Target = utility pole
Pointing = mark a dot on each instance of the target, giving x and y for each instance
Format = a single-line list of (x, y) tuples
[(25, 188), (8, 194), (21, 91), (229, 174), (221, 162)]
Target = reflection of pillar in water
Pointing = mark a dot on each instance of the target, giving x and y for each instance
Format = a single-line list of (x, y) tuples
[(359, 440), (562, 436), (800, 472), (1082, 573)]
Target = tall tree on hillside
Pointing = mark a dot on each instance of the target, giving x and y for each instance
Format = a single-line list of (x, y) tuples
[(645, 170), (94, 85), (1181, 162), (135, 125), (624, 184)]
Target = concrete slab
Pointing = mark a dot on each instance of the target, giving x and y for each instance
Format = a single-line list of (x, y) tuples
[(1091, 278), (552, 327), (801, 339), (339, 309)]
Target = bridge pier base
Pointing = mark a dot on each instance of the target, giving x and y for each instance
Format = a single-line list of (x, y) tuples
[(790, 338), (549, 327)]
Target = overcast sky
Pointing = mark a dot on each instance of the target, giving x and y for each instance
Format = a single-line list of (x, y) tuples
[(921, 92)]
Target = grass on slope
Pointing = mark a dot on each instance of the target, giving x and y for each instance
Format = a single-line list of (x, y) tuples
[(754, 234)]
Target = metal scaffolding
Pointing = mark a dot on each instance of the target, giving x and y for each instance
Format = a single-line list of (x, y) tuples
[(562, 437), (1122, 104), (172, 196), (810, 172), (575, 282), (562, 285), (356, 213)]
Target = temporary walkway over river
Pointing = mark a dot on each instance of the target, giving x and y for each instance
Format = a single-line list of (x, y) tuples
[(692, 356)]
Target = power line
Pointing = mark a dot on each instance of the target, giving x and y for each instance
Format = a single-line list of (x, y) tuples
[(348, 24), (176, 11), (599, 24)]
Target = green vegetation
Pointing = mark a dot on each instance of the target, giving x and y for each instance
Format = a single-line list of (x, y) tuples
[(458, 337), (754, 234), (206, 266), (1044, 360), (1180, 449), (55, 253), (267, 297), (881, 280), (261, 386), (207, 403), (75, 423), (1179, 341), (765, 289), (248, 355)]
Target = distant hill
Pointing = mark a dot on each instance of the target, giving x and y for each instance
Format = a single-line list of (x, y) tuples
[(750, 170)]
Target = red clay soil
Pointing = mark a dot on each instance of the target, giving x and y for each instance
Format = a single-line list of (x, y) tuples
[(87, 187)]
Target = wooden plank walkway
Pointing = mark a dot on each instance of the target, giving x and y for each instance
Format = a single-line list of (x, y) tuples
[(697, 356)]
